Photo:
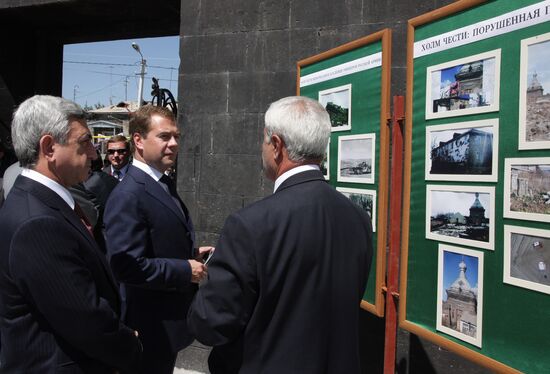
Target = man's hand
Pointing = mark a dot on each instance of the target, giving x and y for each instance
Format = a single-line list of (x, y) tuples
[(198, 271)]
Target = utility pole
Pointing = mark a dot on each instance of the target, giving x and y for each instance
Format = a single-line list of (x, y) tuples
[(74, 92), (126, 88), (141, 74)]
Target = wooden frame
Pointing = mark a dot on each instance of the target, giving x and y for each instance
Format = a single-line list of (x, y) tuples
[(410, 326), (383, 36)]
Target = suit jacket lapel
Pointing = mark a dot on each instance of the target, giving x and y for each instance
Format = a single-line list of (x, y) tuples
[(55, 202), (154, 189)]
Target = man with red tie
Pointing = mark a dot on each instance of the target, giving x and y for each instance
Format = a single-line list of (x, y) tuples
[(59, 302)]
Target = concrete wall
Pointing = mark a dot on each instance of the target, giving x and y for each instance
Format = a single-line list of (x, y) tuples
[(237, 57)]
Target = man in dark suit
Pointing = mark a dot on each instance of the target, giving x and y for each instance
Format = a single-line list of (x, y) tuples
[(118, 154), (59, 302), (284, 286), (150, 241)]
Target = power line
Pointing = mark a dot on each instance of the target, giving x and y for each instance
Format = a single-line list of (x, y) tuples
[(110, 64)]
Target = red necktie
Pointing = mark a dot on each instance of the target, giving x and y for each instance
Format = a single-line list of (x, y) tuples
[(80, 213)]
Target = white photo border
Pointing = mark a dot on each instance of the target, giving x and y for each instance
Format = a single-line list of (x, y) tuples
[(490, 245), (363, 192), (507, 277), (479, 327), (507, 212), (345, 87), (462, 112), (460, 177), (327, 164), (341, 178), (523, 84)]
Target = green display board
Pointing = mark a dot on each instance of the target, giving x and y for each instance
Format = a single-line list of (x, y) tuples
[(475, 269), (352, 82)]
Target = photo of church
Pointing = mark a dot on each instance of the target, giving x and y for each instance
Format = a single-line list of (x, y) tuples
[(460, 289), (461, 215)]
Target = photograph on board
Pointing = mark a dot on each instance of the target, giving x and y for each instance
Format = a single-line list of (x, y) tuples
[(534, 96), (527, 258), (325, 163), (356, 158), (466, 86), (460, 151), (337, 102), (365, 199), (527, 188), (460, 293), (461, 215)]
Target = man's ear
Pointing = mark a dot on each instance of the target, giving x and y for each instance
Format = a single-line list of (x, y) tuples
[(278, 145), (46, 147), (138, 140)]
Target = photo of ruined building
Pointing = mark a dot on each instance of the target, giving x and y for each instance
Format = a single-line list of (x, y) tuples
[(465, 151), (530, 188)]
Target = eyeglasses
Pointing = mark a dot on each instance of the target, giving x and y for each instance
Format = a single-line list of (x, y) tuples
[(119, 151)]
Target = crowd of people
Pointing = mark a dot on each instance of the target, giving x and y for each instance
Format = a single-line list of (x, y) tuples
[(100, 270)]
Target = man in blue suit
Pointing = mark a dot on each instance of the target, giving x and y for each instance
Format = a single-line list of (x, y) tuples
[(150, 242), (59, 302)]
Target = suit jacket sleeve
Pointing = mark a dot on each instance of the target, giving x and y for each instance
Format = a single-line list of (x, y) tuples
[(48, 263), (224, 303), (129, 242)]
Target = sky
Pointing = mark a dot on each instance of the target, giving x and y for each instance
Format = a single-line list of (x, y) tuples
[(452, 202), (451, 270), (539, 55), (340, 98), (446, 135), (356, 149), (95, 72)]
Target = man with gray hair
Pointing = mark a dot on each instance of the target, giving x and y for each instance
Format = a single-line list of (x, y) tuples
[(285, 283), (59, 303)]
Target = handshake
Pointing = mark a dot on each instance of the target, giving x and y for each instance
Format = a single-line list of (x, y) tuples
[(199, 270)]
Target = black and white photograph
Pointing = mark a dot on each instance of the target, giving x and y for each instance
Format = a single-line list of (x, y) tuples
[(527, 188), (462, 151), (534, 98), (337, 102), (356, 158), (365, 199), (325, 164), (527, 258), (468, 85), (461, 215), (460, 293)]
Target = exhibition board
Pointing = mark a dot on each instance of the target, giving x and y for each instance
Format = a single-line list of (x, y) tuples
[(352, 82), (475, 265)]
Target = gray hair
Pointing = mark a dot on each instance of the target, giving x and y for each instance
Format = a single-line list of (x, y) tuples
[(302, 123), (38, 116)]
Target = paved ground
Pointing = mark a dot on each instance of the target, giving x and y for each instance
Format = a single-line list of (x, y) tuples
[(193, 360)]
